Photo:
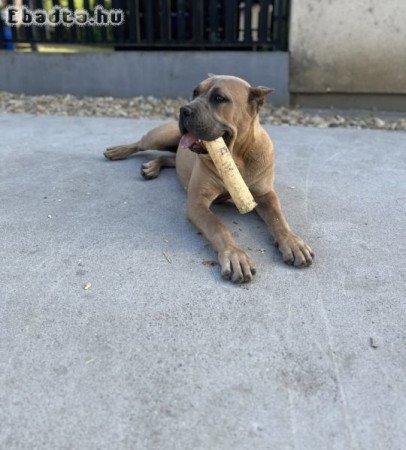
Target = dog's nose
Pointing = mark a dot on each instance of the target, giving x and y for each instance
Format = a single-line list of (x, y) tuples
[(186, 111)]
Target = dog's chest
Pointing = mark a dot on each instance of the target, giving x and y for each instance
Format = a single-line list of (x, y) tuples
[(251, 166)]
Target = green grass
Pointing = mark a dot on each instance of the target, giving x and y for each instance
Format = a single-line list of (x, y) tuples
[(65, 48)]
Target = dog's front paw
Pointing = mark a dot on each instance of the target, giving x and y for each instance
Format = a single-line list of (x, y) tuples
[(236, 265), (118, 152), (150, 169), (295, 251)]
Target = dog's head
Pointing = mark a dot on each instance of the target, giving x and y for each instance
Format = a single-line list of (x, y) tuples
[(222, 106)]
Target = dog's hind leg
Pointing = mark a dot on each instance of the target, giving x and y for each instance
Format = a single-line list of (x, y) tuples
[(164, 137), (152, 168)]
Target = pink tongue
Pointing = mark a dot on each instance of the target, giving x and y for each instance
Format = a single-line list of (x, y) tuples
[(187, 140)]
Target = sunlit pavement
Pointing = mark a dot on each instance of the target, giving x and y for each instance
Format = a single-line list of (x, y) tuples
[(117, 331)]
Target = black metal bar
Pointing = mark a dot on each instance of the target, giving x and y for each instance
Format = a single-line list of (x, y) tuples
[(132, 21), (285, 26), (88, 29), (72, 30), (247, 21), (165, 17), (263, 21), (230, 20), (197, 17), (102, 29), (180, 20), (39, 32), (138, 24), (119, 34), (26, 31), (213, 21), (275, 25), (149, 20), (57, 29), (279, 25)]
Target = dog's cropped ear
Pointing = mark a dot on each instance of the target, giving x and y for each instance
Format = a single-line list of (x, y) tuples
[(211, 75), (258, 94)]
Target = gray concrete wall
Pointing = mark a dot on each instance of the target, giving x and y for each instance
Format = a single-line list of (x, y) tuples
[(348, 47), (125, 74)]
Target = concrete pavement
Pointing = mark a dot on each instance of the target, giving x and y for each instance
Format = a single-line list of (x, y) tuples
[(158, 354)]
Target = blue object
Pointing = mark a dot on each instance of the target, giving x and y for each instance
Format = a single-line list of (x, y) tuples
[(7, 38)]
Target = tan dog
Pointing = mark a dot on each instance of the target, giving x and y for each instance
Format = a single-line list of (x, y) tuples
[(222, 106)]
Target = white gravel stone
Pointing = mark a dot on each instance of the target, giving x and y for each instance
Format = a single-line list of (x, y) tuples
[(151, 107)]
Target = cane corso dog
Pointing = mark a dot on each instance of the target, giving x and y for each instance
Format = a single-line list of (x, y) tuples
[(224, 106)]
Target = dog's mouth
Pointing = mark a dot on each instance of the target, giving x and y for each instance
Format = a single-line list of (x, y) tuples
[(193, 143)]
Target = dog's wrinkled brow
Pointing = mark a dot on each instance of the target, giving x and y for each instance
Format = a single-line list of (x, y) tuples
[(218, 91)]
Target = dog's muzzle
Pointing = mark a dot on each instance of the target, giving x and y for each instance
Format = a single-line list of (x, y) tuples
[(193, 133), (189, 140)]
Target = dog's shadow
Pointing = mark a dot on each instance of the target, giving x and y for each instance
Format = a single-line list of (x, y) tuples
[(249, 231)]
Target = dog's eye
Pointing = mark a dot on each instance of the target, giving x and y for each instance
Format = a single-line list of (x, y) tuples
[(220, 99), (195, 93)]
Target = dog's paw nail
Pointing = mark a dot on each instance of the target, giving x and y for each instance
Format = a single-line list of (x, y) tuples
[(148, 174), (226, 274), (237, 279)]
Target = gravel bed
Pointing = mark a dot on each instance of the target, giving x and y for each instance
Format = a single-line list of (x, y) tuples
[(151, 107)]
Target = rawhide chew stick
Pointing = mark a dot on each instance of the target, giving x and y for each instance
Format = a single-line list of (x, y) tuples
[(230, 175)]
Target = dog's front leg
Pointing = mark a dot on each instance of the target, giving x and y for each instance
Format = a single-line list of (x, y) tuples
[(294, 250), (235, 263)]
